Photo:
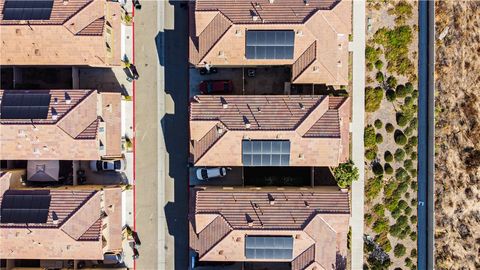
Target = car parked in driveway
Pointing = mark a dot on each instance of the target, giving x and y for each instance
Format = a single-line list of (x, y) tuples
[(216, 86), (209, 173), (107, 165)]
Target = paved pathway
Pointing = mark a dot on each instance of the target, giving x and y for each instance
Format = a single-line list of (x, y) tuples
[(357, 127)]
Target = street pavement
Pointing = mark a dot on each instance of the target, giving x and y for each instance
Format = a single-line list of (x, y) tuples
[(357, 126), (161, 135)]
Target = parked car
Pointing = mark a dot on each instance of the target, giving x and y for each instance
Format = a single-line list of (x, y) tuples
[(112, 258), (215, 86), (209, 173), (107, 165)]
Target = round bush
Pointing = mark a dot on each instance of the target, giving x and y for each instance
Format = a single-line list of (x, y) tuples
[(395, 214), (399, 154), (415, 94), (388, 168), (377, 169), (392, 82), (408, 101), (379, 138), (407, 195), (414, 185), (370, 154), (400, 138), (402, 120), (408, 149), (409, 87), (368, 219), (408, 262), (391, 95), (413, 172), (379, 77), (389, 128), (379, 210), (373, 98), (369, 136), (413, 141), (401, 175), (408, 131), (408, 210), (402, 204), (388, 156), (413, 236), (408, 164), (378, 124), (379, 64), (369, 66), (414, 123), (413, 253), (413, 156), (413, 219), (401, 91), (413, 202)]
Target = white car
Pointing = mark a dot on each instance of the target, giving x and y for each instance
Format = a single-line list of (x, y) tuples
[(107, 165), (208, 173)]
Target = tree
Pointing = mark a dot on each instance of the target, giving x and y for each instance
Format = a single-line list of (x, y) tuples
[(345, 174), (392, 82), (399, 250), (379, 138), (370, 154), (389, 128), (378, 124), (379, 64), (388, 168), (401, 91), (391, 95), (377, 168), (388, 156), (402, 120), (369, 136), (373, 98), (399, 154), (400, 138), (379, 77)]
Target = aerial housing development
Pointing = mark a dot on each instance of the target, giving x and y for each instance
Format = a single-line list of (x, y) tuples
[(239, 134)]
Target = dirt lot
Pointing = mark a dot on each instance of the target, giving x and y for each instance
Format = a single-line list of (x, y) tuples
[(457, 173)]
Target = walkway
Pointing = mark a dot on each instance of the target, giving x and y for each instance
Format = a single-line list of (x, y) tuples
[(357, 126)]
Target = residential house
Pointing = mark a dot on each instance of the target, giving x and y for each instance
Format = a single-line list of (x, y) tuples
[(60, 32), (296, 228), (310, 36), (74, 124), (59, 224), (271, 130)]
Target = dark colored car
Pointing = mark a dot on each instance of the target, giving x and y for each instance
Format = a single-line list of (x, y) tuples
[(215, 86)]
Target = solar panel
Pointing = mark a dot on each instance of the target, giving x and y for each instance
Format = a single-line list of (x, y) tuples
[(22, 105), (27, 9), (269, 44), (268, 247), (25, 206), (265, 153)]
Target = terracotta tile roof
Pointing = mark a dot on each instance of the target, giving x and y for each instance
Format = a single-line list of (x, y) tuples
[(62, 39), (316, 218), (76, 234), (73, 135), (280, 11), (316, 126), (320, 51)]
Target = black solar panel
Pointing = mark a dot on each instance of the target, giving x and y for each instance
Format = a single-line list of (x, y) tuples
[(27, 9), (265, 153), (269, 247), (25, 206), (269, 44), (22, 105)]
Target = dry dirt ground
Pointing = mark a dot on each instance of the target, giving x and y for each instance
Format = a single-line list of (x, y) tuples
[(457, 205)]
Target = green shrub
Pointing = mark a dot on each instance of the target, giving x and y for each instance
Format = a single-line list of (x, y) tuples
[(368, 219), (408, 131), (379, 138), (413, 219), (396, 44), (388, 168), (373, 98), (373, 187), (345, 174), (377, 168), (381, 225), (414, 185), (379, 64), (402, 11), (413, 202), (392, 82), (413, 252), (414, 123), (413, 141), (379, 77), (407, 195), (399, 154), (383, 241), (400, 90), (402, 205), (369, 136), (396, 213), (402, 120), (370, 154), (408, 101), (372, 54), (415, 94), (391, 203), (388, 156), (413, 172), (378, 124), (408, 262), (408, 149), (391, 95), (408, 164), (379, 210), (409, 88), (402, 188), (408, 210), (390, 188), (369, 66), (413, 236), (400, 138), (389, 128)]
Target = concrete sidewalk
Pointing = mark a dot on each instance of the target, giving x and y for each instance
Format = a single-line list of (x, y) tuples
[(357, 127)]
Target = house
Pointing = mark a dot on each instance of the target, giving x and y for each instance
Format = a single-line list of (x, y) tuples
[(73, 124), (300, 228), (310, 36), (60, 32), (59, 224), (274, 130)]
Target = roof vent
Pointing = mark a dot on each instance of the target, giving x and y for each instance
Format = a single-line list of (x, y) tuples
[(271, 199), (299, 33), (246, 122), (68, 99), (250, 223), (65, 2), (196, 98), (271, 1), (219, 130), (255, 18), (259, 109), (339, 63), (301, 106), (225, 105), (306, 2), (55, 100), (54, 114), (307, 205), (54, 218)]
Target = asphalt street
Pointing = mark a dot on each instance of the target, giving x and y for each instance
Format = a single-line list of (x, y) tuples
[(161, 135)]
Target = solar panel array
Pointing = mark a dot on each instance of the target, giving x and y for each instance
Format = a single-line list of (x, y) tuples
[(265, 153), (268, 247), (23, 105), (269, 44), (27, 9), (25, 206)]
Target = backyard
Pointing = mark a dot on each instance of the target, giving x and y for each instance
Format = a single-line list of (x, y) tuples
[(391, 135)]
